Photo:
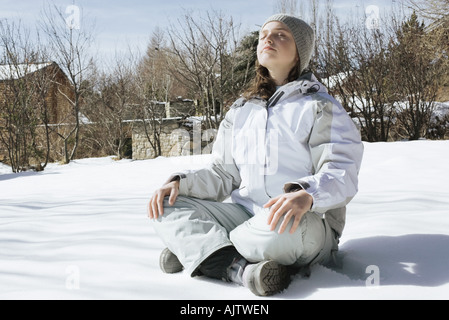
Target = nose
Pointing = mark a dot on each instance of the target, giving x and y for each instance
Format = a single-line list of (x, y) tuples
[(268, 39)]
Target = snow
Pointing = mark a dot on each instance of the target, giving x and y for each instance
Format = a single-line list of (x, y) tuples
[(12, 72), (80, 231), (332, 81), (441, 110)]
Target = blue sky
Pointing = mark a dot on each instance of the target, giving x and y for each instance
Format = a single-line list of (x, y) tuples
[(120, 24)]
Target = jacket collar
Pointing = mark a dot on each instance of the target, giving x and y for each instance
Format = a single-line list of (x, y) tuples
[(304, 86)]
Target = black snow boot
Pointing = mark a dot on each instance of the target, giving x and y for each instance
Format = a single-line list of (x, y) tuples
[(216, 265)]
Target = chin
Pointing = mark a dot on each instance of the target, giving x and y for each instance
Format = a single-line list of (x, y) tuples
[(267, 62)]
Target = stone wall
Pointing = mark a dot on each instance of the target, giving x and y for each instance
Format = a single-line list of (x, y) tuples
[(180, 108), (177, 139), (142, 148)]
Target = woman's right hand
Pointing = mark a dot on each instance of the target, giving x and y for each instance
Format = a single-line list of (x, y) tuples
[(156, 204)]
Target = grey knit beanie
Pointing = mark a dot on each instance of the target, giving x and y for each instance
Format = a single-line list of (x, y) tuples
[(302, 33)]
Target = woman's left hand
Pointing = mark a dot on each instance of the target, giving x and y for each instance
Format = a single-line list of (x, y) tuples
[(290, 205)]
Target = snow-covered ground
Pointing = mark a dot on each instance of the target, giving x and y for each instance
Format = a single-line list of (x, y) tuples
[(80, 231)]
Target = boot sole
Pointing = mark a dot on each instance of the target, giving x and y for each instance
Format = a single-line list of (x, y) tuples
[(269, 278), (169, 263)]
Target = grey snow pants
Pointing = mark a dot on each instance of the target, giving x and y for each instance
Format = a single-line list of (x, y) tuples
[(194, 229)]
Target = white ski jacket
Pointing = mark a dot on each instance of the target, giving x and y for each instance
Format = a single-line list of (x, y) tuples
[(300, 138)]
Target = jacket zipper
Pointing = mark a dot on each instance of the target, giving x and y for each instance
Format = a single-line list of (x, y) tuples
[(275, 99), (270, 103)]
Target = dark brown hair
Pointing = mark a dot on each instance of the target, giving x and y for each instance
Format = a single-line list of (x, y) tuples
[(263, 85)]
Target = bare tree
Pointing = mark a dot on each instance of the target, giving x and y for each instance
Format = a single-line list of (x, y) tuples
[(24, 88), (43, 81), (70, 43), (314, 11), (417, 70), (225, 41), (201, 58), (153, 88), (294, 7), (326, 42), (16, 113), (245, 67), (109, 106), (287, 6), (430, 9), (154, 69), (362, 68)]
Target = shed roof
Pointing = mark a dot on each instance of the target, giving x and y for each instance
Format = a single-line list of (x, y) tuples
[(15, 72)]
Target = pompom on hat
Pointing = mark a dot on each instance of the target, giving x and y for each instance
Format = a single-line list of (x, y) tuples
[(302, 33)]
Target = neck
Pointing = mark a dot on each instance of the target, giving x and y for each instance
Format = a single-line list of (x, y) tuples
[(280, 77)]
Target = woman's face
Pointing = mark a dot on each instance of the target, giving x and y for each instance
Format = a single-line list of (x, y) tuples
[(277, 48)]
